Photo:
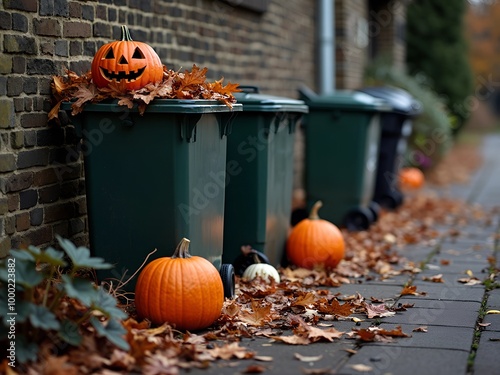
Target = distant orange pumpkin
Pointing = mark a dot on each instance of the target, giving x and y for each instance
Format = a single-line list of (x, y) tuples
[(411, 178)]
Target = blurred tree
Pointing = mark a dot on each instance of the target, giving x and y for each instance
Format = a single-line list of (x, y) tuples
[(437, 49)]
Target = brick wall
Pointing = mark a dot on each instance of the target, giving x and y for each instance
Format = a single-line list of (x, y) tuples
[(41, 175)]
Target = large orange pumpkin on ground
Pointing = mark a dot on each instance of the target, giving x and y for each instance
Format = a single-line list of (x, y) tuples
[(184, 290), (315, 242), (125, 60), (411, 178)]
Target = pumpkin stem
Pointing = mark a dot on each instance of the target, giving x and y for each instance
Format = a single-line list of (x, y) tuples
[(126, 34), (313, 215), (256, 258), (182, 250)]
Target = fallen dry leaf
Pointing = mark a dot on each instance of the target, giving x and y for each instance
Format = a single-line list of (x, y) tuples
[(305, 358), (374, 311), (420, 329), (361, 368), (435, 279), (254, 369)]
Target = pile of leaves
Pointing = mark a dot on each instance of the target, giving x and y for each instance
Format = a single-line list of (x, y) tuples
[(175, 85), (300, 310)]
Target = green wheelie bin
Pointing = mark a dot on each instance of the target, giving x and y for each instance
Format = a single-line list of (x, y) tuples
[(155, 178), (342, 134), (259, 187)]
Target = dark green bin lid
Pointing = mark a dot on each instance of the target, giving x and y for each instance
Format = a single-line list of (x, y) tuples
[(344, 100), (252, 101), (163, 106)]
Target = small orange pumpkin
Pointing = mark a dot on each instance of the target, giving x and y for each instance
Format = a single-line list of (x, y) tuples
[(134, 63), (411, 178), (315, 242), (183, 290)]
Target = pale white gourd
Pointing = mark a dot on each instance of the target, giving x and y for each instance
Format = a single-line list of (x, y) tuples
[(263, 270)]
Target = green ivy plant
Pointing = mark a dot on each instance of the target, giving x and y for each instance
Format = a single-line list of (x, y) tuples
[(46, 294)]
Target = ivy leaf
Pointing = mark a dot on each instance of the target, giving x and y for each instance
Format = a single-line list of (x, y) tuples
[(106, 303), (51, 256), (113, 331), (69, 333), (25, 350), (43, 318), (80, 289), (81, 256), (27, 275), (22, 255)]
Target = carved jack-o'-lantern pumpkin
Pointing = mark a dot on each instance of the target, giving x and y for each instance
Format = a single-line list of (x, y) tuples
[(134, 63)]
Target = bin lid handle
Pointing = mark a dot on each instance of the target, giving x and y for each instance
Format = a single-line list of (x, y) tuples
[(249, 89)]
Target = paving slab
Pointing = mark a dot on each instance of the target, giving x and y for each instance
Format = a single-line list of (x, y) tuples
[(439, 337), (452, 314), (425, 303), (494, 320), (449, 293), (486, 360), (494, 299), (380, 291), (331, 355), (405, 360)]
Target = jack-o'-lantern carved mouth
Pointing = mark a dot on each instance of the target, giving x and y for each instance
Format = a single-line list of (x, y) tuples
[(129, 76)]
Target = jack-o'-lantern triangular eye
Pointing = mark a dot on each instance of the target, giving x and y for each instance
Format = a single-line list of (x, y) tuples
[(110, 54), (137, 54)]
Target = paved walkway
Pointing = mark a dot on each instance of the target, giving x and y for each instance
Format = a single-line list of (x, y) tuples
[(454, 344)]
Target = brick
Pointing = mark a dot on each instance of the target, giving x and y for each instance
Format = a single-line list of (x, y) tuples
[(47, 27), (53, 136), (7, 162), (6, 113), (16, 140), (62, 48), (10, 224), (70, 189), (33, 120), (61, 8), (102, 30), (88, 12), (19, 22), (47, 48), (100, 12), (112, 15), (61, 228), (50, 194), (36, 217), (19, 104), (30, 138), (5, 64), (89, 48), (30, 86), (75, 10), (81, 206), (26, 5), (13, 202), (75, 48), (3, 86), (5, 21), (27, 199), (15, 86), (16, 182), (41, 66), (44, 88), (18, 64), (19, 44), (46, 7), (4, 206), (60, 211), (76, 226), (22, 221), (28, 104), (45, 177), (80, 66), (5, 246), (35, 237), (77, 30), (33, 158)]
